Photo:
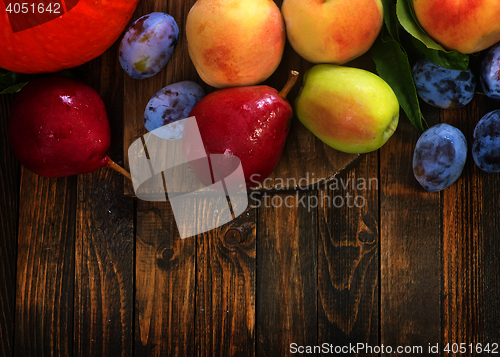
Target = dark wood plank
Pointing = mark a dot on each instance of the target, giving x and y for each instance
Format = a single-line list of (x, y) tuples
[(348, 259), (9, 201), (461, 225), (470, 241), (286, 305), (165, 284), (410, 246), (104, 268), (45, 266), (225, 289), (484, 281), (104, 249)]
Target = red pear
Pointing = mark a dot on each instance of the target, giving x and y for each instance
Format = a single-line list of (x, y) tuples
[(250, 123), (58, 127)]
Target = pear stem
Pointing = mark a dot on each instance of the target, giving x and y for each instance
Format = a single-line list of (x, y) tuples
[(113, 165), (292, 78)]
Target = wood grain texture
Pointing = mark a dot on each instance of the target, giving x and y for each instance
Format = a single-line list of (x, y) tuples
[(165, 284), (303, 152), (410, 228), (286, 305), (104, 252), (87, 271), (470, 245), (225, 289), (486, 308), (45, 266), (104, 268), (348, 258), (9, 201)]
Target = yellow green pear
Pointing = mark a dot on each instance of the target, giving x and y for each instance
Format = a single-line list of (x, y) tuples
[(350, 109)]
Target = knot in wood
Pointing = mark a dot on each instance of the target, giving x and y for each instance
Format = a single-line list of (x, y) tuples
[(233, 237), (366, 237), (164, 253)]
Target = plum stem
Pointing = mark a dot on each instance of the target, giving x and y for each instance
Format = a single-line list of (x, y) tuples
[(113, 165), (292, 78)]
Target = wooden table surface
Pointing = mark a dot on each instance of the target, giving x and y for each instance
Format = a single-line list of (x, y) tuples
[(88, 271)]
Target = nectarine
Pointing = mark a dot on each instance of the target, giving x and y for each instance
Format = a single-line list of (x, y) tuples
[(332, 31), (235, 42), (464, 26)]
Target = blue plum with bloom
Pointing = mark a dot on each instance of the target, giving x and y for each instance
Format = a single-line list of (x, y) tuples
[(169, 105), (439, 157), (490, 72), (148, 44), (486, 142), (442, 87)]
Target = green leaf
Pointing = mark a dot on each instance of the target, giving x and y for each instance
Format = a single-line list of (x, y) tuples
[(7, 79), (11, 82), (14, 88), (406, 17), (392, 66), (390, 18), (450, 60), (425, 44)]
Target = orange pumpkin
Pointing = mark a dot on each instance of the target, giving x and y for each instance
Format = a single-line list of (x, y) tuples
[(59, 34)]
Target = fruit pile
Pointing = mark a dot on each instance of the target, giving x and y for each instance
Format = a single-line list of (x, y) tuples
[(423, 50), (449, 77), (350, 109), (441, 151)]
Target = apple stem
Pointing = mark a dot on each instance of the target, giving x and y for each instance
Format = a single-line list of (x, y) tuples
[(113, 165), (292, 78)]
